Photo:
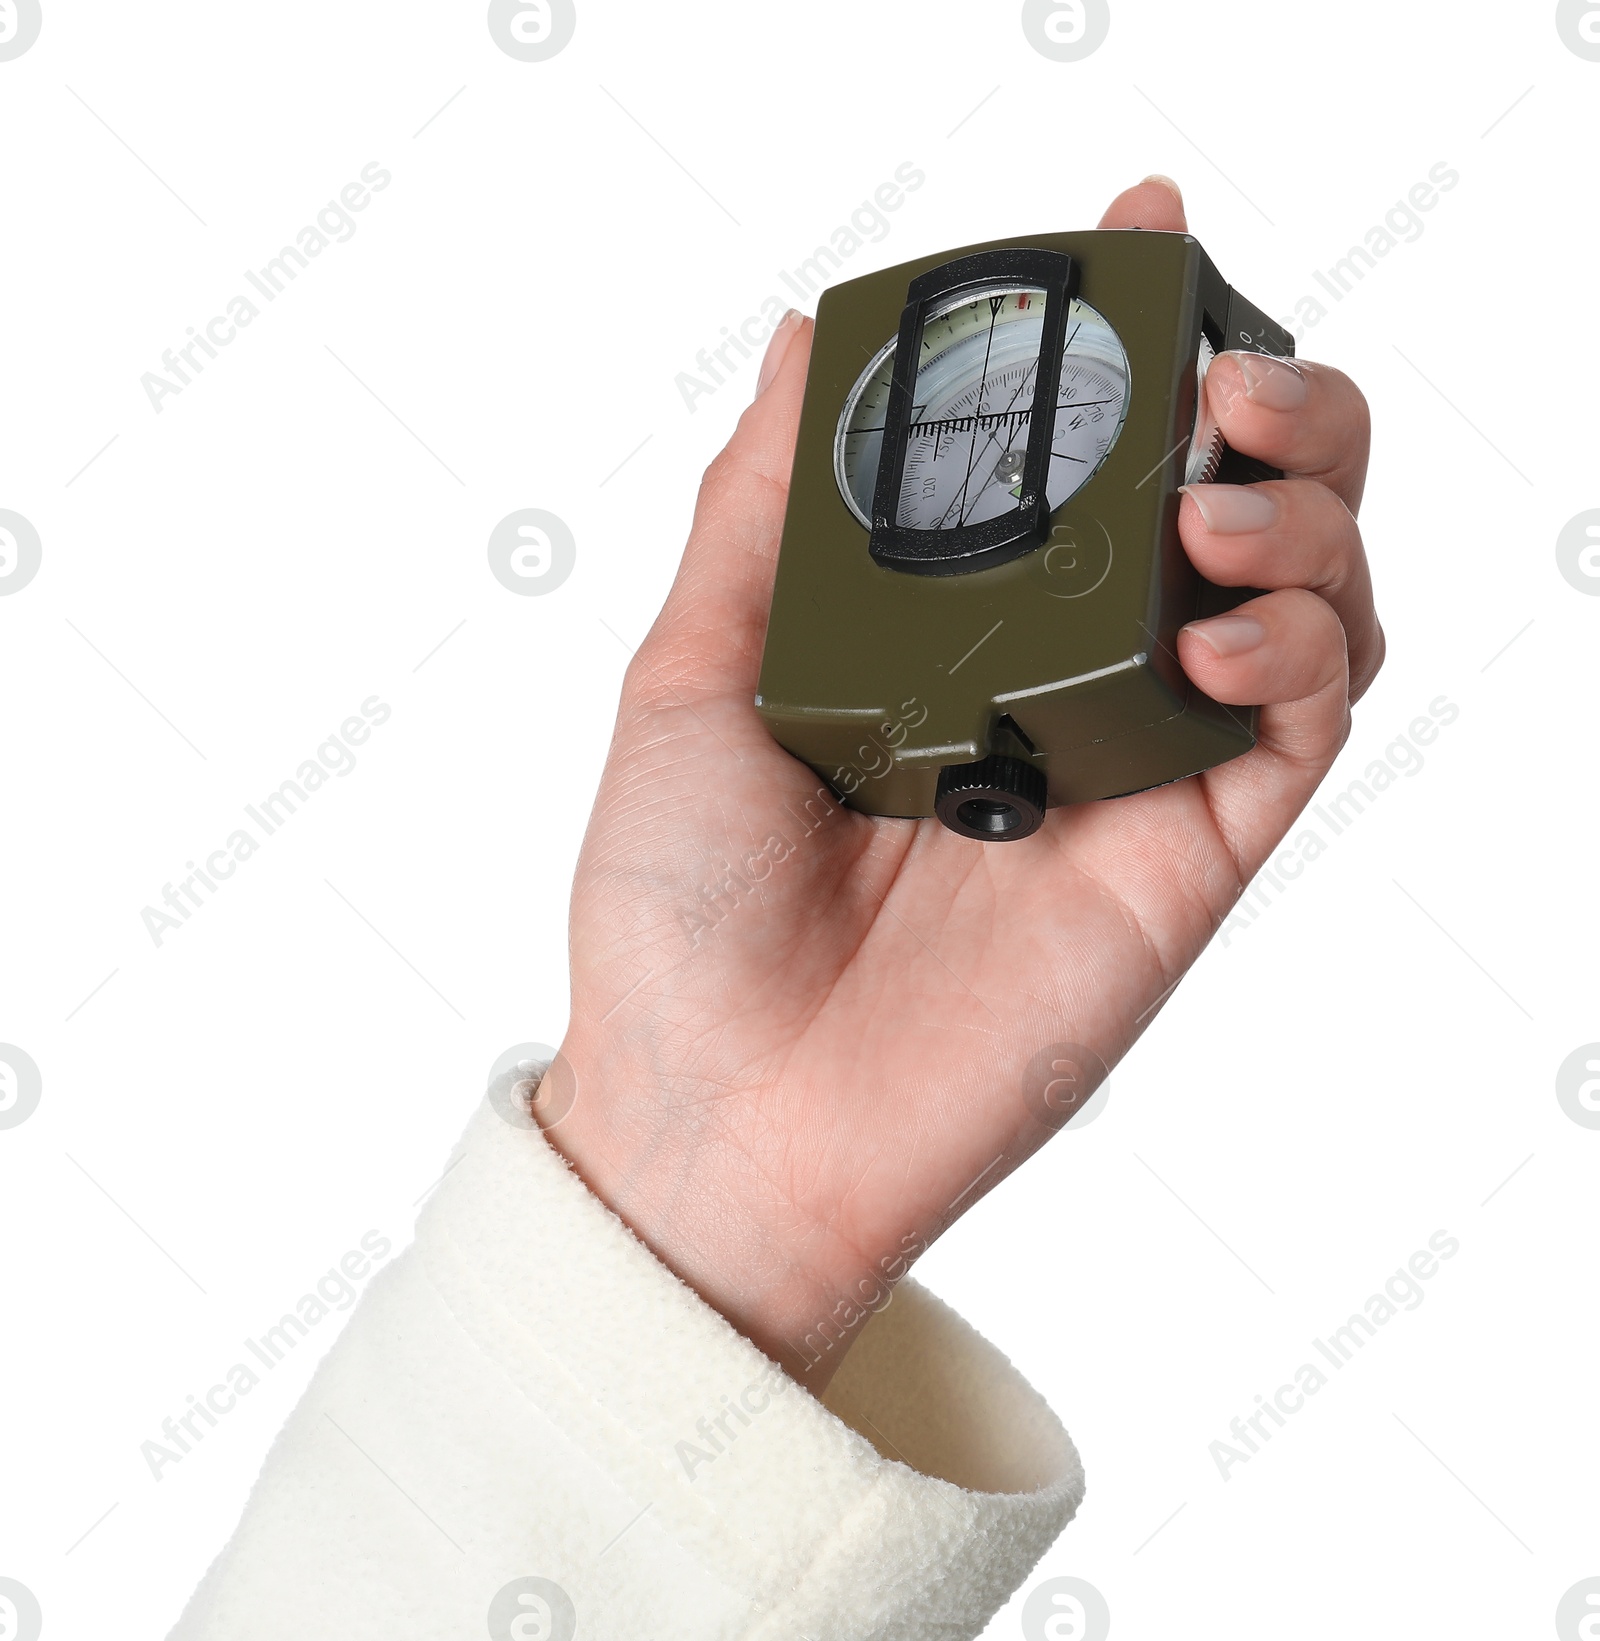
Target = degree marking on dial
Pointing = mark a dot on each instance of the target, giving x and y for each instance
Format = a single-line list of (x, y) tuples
[(856, 432), (1025, 415), (974, 452), (940, 522), (987, 418), (928, 469)]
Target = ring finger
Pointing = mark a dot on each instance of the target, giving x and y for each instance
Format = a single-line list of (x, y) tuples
[(1288, 533)]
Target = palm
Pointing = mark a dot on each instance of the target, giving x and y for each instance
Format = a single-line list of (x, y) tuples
[(855, 1027), (802, 1035)]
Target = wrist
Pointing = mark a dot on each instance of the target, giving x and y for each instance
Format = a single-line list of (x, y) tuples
[(686, 1177)]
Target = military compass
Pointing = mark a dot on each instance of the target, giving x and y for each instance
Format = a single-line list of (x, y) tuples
[(980, 583)]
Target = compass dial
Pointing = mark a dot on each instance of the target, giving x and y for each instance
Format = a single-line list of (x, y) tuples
[(973, 408)]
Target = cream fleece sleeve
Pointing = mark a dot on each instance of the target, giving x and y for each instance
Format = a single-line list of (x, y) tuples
[(531, 1429)]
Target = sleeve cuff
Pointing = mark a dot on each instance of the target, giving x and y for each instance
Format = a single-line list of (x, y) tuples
[(529, 1394)]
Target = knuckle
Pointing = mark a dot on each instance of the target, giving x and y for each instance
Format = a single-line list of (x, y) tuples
[(673, 669), (1319, 638), (1360, 408), (718, 472), (1342, 732), (1340, 553), (1372, 664), (653, 680), (1330, 627), (737, 480), (1310, 611)]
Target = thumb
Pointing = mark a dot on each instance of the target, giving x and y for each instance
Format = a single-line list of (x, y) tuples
[(1157, 202), (708, 637)]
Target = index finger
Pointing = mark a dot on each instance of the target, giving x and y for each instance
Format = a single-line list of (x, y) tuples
[(1310, 420)]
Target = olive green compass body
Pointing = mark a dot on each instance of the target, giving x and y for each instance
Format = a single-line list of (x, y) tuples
[(977, 607)]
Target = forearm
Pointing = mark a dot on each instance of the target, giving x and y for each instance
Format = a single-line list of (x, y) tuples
[(526, 1393)]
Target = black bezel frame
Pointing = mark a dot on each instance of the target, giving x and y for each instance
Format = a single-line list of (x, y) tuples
[(998, 540)]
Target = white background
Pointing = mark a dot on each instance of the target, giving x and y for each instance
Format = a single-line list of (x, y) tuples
[(228, 580)]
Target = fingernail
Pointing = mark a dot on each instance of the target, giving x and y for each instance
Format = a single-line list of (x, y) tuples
[(1229, 634), (1234, 509), (1274, 384), (776, 349), (1168, 183)]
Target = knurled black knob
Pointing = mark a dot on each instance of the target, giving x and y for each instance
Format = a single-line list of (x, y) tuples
[(995, 800)]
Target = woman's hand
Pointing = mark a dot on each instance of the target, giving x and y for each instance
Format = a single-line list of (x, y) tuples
[(789, 1076)]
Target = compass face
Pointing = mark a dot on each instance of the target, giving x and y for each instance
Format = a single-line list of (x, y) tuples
[(973, 408)]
